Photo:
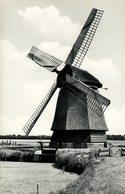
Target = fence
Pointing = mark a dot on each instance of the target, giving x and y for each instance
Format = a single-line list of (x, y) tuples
[(103, 152), (109, 152)]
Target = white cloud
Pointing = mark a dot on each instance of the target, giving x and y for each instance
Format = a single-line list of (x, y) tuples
[(103, 69), (55, 49), (13, 62), (50, 23), (10, 126), (14, 126), (110, 76), (19, 74), (10, 52), (14, 72), (42, 127), (115, 120), (24, 85), (33, 92)]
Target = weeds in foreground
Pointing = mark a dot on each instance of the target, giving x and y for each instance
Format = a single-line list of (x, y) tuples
[(16, 155), (73, 162)]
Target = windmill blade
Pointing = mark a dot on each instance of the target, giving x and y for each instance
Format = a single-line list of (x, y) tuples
[(95, 101), (84, 39), (44, 59), (31, 122)]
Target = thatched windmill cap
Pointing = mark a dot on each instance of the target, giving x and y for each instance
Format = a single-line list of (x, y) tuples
[(85, 77)]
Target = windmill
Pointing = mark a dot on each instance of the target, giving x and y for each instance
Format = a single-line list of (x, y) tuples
[(79, 118)]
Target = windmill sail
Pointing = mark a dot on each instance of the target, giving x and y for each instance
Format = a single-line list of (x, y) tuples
[(95, 101), (44, 59), (31, 122), (84, 40)]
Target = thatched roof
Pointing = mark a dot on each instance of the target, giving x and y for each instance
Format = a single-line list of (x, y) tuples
[(72, 114), (85, 77)]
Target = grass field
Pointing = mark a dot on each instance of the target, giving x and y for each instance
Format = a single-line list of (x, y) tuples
[(23, 177), (103, 176)]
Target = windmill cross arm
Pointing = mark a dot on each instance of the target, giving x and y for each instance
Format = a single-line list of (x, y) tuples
[(35, 116), (95, 101), (44, 59), (83, 87), (84, 39)]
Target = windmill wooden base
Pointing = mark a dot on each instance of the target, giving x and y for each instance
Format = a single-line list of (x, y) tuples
[(78, 139), (76, 125)]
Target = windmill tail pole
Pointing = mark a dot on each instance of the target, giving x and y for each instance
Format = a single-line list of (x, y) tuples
[(33, 119)]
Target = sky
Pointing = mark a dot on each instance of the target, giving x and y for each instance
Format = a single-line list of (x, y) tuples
[(53, 27)]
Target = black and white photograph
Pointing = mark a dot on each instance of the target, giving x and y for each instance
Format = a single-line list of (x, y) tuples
[(62, 125)]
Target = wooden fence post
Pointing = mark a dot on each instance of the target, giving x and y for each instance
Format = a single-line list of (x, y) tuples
[(4, 157), (63, 169), (37, 189), (122, 152), (56, 145), (110, 151)]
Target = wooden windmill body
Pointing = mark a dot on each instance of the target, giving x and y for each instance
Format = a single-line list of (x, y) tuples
[(79, 112), (75, 124)]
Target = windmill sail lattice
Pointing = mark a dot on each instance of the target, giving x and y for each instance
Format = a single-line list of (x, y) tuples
[(31, 122), (44, 59), (84, 40), (95, 101)]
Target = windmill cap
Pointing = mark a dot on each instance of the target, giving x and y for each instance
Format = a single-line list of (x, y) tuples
[(85, 77)]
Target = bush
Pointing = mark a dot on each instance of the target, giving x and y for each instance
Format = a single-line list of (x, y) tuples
[(27, 157), (10, 156), (72, 162), (62, 159), (16, 155)]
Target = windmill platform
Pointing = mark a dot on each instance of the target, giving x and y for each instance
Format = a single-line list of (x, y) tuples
[(45, 155)]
